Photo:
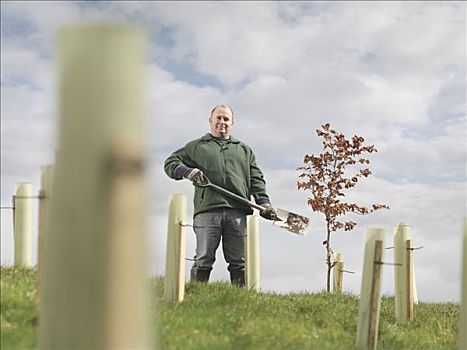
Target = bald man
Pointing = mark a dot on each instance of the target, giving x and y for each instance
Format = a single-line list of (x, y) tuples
[(228, 163)]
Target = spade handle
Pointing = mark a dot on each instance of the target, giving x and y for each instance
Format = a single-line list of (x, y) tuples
[(207, 183)]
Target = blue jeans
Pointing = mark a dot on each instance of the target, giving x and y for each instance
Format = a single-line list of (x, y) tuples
[(210, 227)]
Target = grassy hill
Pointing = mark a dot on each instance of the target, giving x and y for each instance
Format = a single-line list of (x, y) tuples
[(219, 316)]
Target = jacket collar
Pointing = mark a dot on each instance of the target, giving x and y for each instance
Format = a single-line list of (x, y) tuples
[(209, 137)]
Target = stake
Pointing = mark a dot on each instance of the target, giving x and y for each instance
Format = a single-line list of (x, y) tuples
[(402, 233), (94, 288), (13, 207), (375, 295), (252, 254), (45, 194), (338, 273), (174, 289), (368, 310), (463, 310), (409, 283), (125, 317), (23, 224), (41, 236)]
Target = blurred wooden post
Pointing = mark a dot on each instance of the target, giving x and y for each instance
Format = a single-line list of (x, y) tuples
[(126, 276), (94, 290), (174, 290), (402, 233), (338, 273), (23, 224), (463, 309), (370, 295), (44, 214), (252, 274)]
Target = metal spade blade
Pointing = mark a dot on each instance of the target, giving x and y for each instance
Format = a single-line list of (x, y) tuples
[(292, 222)]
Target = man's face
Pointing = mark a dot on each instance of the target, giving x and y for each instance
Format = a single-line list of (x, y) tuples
[(221, 122)]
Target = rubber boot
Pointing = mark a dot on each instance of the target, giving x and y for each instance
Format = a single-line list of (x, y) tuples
[(237, 278), (200, 275)]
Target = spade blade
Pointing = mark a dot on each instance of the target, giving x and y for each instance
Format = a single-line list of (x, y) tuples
[(292, 222)]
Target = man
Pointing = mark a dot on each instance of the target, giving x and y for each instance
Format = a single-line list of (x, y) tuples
[(230, 164)]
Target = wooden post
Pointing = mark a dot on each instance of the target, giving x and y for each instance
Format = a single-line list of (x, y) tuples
[(23, 224), (13, 207), (44, 214), (175, 254), (409, 283), (338, 273), (252, 253), (126, 272), (94, 288), (370, 295), (375, 296), (463, 310), (402, 233)]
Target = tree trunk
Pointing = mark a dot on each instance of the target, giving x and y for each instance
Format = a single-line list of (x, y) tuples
[(328, 258)]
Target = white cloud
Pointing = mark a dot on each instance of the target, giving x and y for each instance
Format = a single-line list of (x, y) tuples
[(424, 159), (179, 107)]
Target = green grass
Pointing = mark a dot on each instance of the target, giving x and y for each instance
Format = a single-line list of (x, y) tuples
[(219, 316), (18, 313)]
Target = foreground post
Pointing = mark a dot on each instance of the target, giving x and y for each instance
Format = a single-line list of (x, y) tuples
[(94, 286), (44, 215), (463, 310), (405, 293), (175, 254), (23, 224), (370, 295), (338, 273), (252, 253)]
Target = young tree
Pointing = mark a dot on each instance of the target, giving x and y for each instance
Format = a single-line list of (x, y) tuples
[(327, 176)]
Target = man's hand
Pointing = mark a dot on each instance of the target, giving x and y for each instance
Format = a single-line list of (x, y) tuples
[(268, 212), (196, 176)]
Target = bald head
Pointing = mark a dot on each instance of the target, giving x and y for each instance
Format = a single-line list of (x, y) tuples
[(221, 121), (222, 106)]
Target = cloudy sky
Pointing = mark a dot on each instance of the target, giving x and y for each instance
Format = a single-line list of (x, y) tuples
[(392, 72)]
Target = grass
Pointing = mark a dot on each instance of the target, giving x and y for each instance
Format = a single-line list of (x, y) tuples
[(18, 312), (220, 316)]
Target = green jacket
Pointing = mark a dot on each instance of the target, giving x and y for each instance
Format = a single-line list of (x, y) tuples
[(230, 165)]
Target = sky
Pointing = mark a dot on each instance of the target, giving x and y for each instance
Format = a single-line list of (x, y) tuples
[(391, 72)]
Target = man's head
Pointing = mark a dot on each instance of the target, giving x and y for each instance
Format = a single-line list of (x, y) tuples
[(221, 121)]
